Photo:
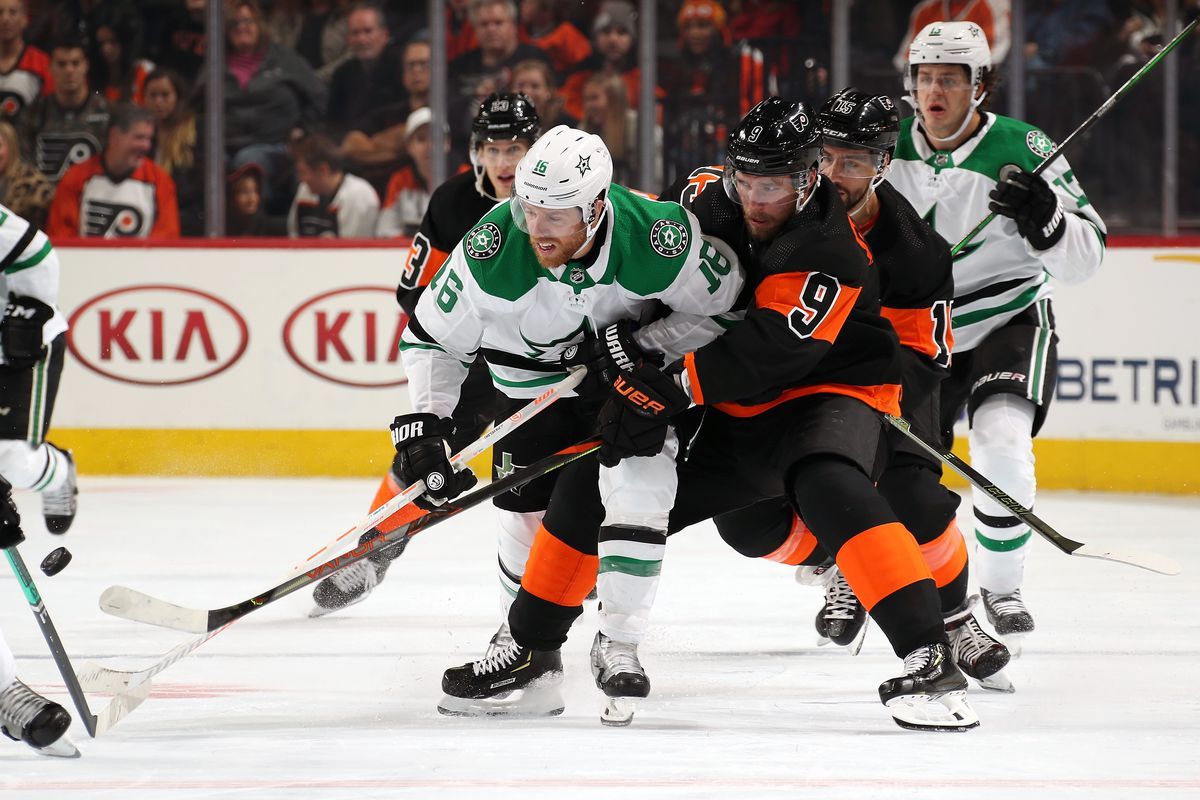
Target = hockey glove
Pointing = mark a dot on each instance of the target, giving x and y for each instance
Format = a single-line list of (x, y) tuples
[(423, 450), (10, 520), (634, 421), (606, 355), (1029, 201), (21, 330)]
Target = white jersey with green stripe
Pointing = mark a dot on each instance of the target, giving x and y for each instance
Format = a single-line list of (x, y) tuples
[(33, 272), (492, 299), (998, 274)]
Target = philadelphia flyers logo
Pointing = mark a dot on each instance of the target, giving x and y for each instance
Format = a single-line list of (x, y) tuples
[(57, 152), (102, 218), (698, 181)]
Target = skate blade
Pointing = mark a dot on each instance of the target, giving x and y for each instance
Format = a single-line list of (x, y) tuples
[(618, 711), (1014, 642), (545, 701), (855, 647), (321, 611), (63, 748), (948, 712), (997, 682)]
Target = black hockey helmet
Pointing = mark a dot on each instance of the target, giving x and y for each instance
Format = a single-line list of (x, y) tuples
[(504, 116), (855, 119), (775, 138)]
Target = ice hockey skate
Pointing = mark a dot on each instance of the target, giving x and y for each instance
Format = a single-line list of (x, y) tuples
[(1006, 612), (513, 681), (842, 620), (26, 716), (352, 584), (501, 640), (619, 674), (976, 652), (931, 695), (59, 505)]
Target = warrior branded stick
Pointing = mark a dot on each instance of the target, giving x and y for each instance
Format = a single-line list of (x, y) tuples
[(130, 604), (1087, 123), (121, 705), (1149, 561)]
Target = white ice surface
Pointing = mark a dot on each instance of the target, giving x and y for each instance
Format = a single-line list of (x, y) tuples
[(744, 704)]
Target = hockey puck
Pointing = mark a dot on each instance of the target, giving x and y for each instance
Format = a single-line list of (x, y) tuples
[(56, 561)]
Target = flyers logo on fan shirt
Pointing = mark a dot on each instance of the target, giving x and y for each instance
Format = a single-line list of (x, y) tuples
[(58, 152), (107, 219)]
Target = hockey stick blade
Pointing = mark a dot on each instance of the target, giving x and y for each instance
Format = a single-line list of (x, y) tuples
[(1148, 561), (120, 601)]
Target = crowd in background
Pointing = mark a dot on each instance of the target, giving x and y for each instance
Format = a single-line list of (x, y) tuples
[(326, 109)]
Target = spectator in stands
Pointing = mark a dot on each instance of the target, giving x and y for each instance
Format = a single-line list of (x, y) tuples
[(176, 145), (244, 213), (408, 189), (460, 36), (67, 126), (614, 32), (991, 15), (120, 192), (271, 97), (708, 85), (487, 68), (535, 79), (1066, 33), (22, 188), (314, 29), (24, 69), (184, 40), (544, 25), (115, 71), (368, 80), (607, 114), (330, 202), (376, 149)]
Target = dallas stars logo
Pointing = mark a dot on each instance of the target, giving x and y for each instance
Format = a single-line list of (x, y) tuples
[(584, 166), (483, 241), (538, 349), (1039, 143), (668, 238), (931, 218), (505, 468)]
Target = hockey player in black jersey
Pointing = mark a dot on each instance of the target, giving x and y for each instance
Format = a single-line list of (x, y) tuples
[(792, 398), (503, 130), (912, 265)]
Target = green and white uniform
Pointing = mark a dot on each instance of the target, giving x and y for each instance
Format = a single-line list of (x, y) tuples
[(493, 300), (1005, 346), (31, 269)]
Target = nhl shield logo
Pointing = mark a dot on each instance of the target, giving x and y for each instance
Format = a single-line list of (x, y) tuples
[(483, 241), (577, 275), (668, 238)]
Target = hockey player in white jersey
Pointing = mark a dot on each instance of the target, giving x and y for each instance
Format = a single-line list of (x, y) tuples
[(25, 715), (33, 345), (955, 161), (559, 269)]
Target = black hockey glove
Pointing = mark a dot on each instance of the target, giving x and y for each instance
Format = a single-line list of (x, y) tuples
[(21, 330), (1027, 199), (10, 520), (634, 420), (606, 355), (423, 450)]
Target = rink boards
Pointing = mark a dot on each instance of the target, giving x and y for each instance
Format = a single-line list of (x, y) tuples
[(282, 361)]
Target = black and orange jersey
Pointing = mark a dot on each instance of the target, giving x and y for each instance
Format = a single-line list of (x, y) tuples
[(916, 287), (55, 138), (453, 209), (28, 80), (812, 317)]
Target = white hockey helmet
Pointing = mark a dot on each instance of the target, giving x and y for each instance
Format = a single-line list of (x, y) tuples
[(565, 168), (955, 42)]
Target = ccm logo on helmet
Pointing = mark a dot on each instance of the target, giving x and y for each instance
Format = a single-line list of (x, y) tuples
[(640, 399)]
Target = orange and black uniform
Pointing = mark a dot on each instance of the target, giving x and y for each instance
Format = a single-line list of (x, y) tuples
[(28, 80), (913, 270), (91, 202), (792, 397)]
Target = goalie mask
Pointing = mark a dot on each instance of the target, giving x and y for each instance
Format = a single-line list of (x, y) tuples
[(776, 139), (558, 183)]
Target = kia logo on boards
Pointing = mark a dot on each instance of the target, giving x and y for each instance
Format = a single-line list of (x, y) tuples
[(157, 335), (349, 336)]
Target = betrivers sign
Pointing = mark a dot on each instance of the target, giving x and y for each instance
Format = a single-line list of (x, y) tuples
[(157, 335)]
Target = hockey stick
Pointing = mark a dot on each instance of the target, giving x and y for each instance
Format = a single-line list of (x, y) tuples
[(96, 678), (1148, 561), (133, 605), (118, 707), (1087, 123)]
